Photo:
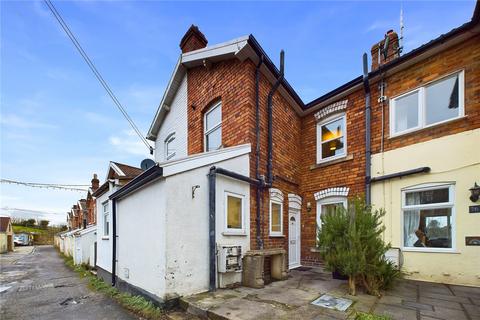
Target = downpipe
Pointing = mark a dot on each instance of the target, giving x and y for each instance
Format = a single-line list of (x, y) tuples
[(114, 241), (368, 151), (258, 191)]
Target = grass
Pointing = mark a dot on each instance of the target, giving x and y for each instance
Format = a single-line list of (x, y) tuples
[(136, 304), (20, 229)]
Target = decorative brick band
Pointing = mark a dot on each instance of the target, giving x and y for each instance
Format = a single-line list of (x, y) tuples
[(331, 192), (294, 201), (276, 194), (332, 108)]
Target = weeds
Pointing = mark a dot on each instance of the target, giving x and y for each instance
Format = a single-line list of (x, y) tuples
[(136, 304)]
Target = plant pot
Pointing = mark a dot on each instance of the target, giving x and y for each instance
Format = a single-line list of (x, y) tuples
[(338, 275)]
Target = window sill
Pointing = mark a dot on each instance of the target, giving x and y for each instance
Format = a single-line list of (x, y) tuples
[(332, 162), (315, 249), (277, 236), (430, 250), (105, 238), (231, 233), (414, 131)]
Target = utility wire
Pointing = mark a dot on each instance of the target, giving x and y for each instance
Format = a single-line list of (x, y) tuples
[(33, 211), (97, 74), (69, 187)]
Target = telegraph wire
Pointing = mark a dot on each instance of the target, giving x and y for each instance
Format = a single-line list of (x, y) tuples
[(30, 210), (69, 187), (97, 74)]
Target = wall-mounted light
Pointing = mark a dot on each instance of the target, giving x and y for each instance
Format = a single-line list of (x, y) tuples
[(475, 192), (193, 190), (309, 206)]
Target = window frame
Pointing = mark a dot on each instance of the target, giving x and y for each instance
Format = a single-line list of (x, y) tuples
[(234, 231), (275, 233), (422, 104), (327, 121), (105, 215), (169, 139), (329, 200), (215, 127), (450, 204)]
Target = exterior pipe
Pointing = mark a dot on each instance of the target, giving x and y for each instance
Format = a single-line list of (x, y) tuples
[(212, 176), (368, 151), (257, 151), (270, 118), (114, 241)]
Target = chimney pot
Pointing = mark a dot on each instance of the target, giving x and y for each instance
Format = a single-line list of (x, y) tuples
[(193, 39), (378, 58), (95, 182)]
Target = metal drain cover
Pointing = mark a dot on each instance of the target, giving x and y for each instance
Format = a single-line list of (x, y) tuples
[(331, 302)]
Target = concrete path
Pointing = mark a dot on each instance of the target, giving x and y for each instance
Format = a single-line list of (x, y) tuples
[(40, 286), (291, 299)]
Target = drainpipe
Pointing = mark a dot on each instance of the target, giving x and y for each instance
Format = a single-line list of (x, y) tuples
[(368, 151), (212, 176), (114, 241), (257, 151), (270, 118)]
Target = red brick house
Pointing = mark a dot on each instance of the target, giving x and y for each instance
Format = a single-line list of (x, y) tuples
[(304, 159)]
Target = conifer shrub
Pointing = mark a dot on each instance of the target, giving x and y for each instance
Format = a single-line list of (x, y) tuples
[(350, 241)]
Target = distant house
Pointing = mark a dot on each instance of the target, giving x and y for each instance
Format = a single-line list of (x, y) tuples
[(6, 235), (118, 175)]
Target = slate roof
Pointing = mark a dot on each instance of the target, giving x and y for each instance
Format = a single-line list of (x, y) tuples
[(4, 221)]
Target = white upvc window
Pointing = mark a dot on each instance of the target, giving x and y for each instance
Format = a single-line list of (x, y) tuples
[(234, 213), (105, 212), (276, 218), (213, 127), (328, 205), (332, 138), (428, 218), (437, 102), (170, 146)]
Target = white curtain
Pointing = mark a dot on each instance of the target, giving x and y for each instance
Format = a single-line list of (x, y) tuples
[(411, 222)]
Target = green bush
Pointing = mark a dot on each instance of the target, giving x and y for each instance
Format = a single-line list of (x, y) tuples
[(351, 243)]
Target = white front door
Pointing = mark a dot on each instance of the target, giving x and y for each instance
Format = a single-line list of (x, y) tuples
[(293, 238)]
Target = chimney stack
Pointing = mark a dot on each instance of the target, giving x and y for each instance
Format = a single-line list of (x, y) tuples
[(95, 182), (382, 54), (193, 40)]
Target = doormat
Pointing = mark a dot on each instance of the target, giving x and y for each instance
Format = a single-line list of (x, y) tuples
[(302, 269), (331, 302)]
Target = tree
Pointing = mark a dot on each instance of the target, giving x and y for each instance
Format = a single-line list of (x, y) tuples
[(44, 224), (351, 242), (30, 223)]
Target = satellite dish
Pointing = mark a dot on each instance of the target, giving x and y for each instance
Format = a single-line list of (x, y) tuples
[(147, 164)]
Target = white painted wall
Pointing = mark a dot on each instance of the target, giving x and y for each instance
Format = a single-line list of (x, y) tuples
[(84, 242), (175, 121), (163, 245), (141, 238)]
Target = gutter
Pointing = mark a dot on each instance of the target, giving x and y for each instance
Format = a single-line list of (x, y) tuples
[(400, 174), (212, 177)]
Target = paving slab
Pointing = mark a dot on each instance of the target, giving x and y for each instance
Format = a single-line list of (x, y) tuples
[(445, 313)]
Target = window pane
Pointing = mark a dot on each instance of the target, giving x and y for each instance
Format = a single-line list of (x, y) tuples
[(442, 100), (213, 118), (105, 207), (332, 130), (427, 197), (332, 148), (234, 212), (170, 146), (214, 139), (276, 212), (428, 228), (406, 112)]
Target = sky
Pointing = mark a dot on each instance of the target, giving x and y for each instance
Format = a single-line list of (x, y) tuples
[(57, 125)]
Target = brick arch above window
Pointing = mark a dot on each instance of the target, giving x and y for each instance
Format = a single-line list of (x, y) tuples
[(333, 108), (276, 194), (294, 201), (331, 192), (213, 102)]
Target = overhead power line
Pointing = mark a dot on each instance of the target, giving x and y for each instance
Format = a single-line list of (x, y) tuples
[(97, 74), (57, 186), (33, 211)]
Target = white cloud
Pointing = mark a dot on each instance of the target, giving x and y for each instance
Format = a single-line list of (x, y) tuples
[(15, 121), (128, 141)]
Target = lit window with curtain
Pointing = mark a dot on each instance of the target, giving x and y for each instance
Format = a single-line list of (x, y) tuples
[(234, 215), (213, 127), (276, 218), (428, 217), (331, 139)]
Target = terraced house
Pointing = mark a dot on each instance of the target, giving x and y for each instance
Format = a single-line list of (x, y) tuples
[(245, 169)]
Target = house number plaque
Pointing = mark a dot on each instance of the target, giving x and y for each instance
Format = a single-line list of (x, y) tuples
[(474, 209)]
